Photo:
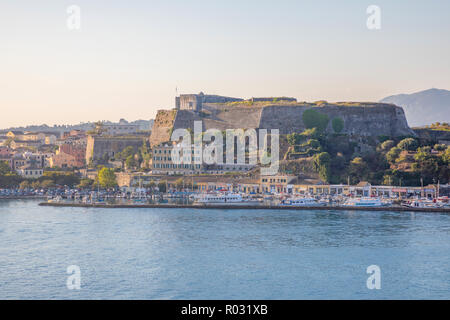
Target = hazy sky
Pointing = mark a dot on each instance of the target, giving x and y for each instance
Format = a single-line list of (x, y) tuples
[(129, 56)]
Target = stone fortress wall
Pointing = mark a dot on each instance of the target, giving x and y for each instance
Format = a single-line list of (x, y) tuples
[(365, 119), (97, 146)]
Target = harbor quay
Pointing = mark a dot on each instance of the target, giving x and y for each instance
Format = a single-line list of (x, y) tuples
[(246, 207), (264, 192), (277, 184)]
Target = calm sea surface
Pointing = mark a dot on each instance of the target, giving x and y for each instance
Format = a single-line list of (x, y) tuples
[(221, 254)]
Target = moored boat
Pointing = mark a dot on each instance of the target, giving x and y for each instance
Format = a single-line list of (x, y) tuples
[(365, 202), (301, 202)]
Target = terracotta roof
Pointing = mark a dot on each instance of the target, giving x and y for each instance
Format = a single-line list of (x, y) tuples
[(363, 184)]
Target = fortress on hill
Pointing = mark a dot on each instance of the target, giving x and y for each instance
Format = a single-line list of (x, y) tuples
[(283, 113)]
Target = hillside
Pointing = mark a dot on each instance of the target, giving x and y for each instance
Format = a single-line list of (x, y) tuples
[(424, 107), (85, 126)]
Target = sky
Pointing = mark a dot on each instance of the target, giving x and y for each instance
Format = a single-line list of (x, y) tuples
[(129, 57)]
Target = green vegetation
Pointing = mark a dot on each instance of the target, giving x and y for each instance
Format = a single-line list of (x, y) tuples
[(444, 126), (387, 145), (393, 154), (340, 158), (162, 186), (409, 144), (7, 177), (61, 178), (50, 179), (338, 125), (107, 178), (85, 183), (314, 119), (322, 165)]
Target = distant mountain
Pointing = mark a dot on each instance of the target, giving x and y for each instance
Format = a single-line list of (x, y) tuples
[(85, 126), (424, 107)]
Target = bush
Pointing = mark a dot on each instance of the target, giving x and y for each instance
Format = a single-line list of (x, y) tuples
[(440, 147), (322, 165), (393, 154), (409, 144), (387, 145), (293, 138)]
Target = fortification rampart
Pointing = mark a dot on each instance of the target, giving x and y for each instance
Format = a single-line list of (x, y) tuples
[(98, 146), (366, 119)]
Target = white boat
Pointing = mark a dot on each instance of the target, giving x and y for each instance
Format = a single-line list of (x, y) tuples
[(57, 199), (364, 202), (423, 204), (302, 202), (220, 198)]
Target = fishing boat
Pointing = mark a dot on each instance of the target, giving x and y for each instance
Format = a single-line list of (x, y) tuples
[(422, 203)]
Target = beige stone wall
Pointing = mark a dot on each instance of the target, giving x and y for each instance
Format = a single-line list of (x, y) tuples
[(162, 127)]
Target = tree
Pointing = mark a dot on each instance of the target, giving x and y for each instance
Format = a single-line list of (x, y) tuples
[(293, 138), (85, 183), (422, 154), (313, 143), (144, 154), (387, 145), (359, 169), (35, 184), (46, 184), (162, 186), (313, 119), (107, 178), (446, 156), (311, 133), (61, 178), (439, 147), (393, 154), (24, 185), (125, 154), (131, 162), (4, 168), (322, 165), (338, 125), (179, 183), (128, 151), (408, 144)]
